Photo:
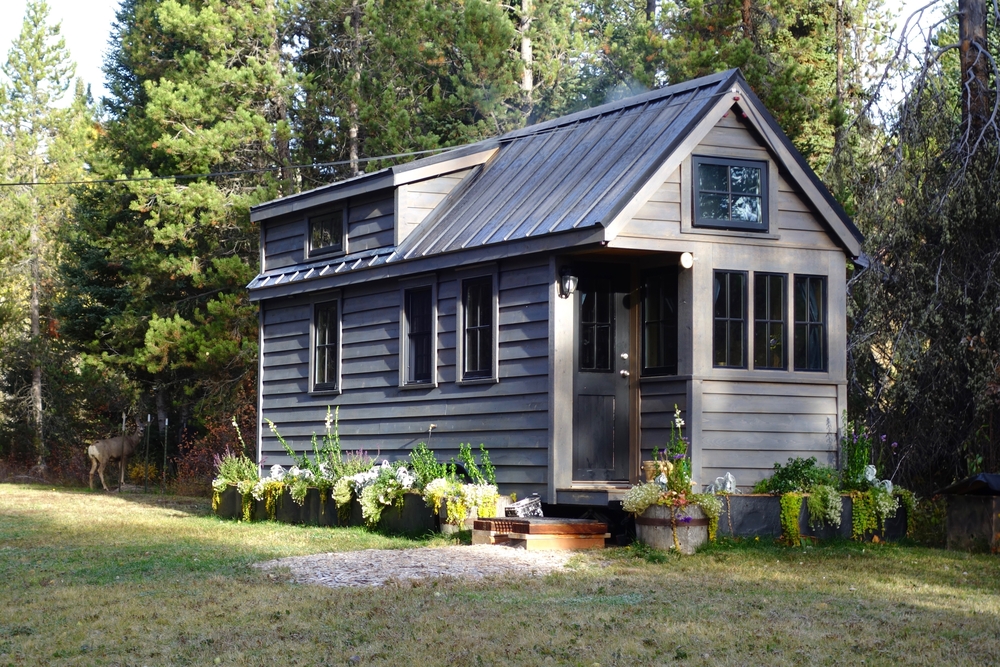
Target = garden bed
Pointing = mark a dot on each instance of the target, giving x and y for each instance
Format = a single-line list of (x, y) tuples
[(756, 515), (414, 517)]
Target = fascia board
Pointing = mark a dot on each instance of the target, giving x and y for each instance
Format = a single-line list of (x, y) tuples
[(451, 260), (442, 168)]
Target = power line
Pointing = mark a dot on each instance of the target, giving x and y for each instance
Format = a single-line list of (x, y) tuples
[(236, 172)]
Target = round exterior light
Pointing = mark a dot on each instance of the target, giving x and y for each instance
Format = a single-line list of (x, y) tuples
[(687, 260)]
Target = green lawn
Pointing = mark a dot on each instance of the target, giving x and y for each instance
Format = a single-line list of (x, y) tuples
[(102, 579)]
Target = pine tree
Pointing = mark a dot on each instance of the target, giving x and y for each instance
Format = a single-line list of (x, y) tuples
[(161, 264), (41, 144)]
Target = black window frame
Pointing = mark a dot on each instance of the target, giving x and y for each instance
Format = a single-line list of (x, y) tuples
[(767, 319), (762, 227), (727, 320), (486, 369), (806, 324), (666, 329), (321, 345), (426, 335), (338, 220)]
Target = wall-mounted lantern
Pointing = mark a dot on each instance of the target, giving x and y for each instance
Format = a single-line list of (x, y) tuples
[(567, 282), (687, 260)]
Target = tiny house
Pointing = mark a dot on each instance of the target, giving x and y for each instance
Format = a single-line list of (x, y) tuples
[(553, 293)]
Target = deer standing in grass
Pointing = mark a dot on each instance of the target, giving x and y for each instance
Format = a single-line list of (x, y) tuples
[(119, 448)]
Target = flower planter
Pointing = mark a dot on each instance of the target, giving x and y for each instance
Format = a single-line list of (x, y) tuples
[(230, 504), (316, 512), (413, 518), (757, 515), (655, 527), (451, 529)]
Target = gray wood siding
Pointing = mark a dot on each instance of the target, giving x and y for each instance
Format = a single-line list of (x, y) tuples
[(369, 225), (657, 397), (749, 426), (510, 417), (416, 200), (791, 218)]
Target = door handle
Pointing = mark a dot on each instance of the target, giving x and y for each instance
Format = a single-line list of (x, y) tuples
[(623, 373), (625, 356)]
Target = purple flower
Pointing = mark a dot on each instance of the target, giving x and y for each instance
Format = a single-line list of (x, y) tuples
[(677, 456), (883, 437), (894, 445), (686, 519)]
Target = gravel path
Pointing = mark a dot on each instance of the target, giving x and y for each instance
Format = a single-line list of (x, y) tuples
[(374, 567)]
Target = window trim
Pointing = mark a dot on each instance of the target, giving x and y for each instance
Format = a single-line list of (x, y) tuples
[(744, 318), (327, 251), (825, 322), (335, 387), (698, 222), (461, 277), (405, 287), (669, 272), (784, 320)]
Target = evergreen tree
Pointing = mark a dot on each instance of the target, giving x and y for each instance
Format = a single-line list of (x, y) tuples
[(40, 144), (161, 264)]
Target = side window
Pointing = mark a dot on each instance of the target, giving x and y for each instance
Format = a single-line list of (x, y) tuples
[(478, 344), (729, 332), (326, 233), (326, 346), (769, 321), (810, 323), (659, 323), (730, 193), (417, 329)]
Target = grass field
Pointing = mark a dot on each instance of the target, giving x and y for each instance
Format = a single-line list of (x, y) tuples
[(102, 579)]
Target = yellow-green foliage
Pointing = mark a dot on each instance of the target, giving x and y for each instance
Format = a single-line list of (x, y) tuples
[(791, 506)]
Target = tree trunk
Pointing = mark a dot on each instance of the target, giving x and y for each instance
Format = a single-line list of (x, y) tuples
[(36, 342), (527, 77), (975, 65), (650, 10), (838, 131), (352, 108), (747, 19)]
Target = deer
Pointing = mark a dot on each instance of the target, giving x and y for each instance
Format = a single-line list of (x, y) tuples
[(118, 448)]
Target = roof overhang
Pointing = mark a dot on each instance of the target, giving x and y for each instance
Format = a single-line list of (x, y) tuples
[(419, 170)]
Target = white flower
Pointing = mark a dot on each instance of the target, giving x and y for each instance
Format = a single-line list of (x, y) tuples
[(870, 473), (294, 471), (277, 472), (405, 478)]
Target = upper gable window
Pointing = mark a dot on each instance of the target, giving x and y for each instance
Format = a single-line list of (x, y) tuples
[(730, 193), (326, 233)]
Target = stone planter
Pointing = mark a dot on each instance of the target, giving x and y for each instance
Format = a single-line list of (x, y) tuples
[(654, 527)]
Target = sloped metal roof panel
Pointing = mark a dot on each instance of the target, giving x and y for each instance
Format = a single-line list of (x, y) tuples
[(567, 174)]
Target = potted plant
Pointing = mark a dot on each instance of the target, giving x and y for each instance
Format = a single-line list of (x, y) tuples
[(668, 514)]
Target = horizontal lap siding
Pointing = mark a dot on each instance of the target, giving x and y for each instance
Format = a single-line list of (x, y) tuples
[(749, 426), (284, 244), (657, 398), (509, 417)]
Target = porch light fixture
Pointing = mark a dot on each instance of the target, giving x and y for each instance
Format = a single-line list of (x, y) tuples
[(567, 282), (687, 260)]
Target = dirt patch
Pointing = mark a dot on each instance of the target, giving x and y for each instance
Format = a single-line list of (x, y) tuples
[(375, 567)]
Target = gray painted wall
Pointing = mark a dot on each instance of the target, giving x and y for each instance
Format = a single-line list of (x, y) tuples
[(510, 417)]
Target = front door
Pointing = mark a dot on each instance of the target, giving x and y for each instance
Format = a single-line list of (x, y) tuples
[(601, 408)]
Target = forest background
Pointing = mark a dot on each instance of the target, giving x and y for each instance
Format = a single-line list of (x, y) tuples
[(125, 240)]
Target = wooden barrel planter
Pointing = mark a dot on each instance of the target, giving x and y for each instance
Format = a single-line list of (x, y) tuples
[(656, 526)]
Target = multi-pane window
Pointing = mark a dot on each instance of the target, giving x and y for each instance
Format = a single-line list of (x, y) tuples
[(326, 232), (810, 323), (729, 335), (597, 325), (659, 324), (769, 320), (325, 346), (730, 193), (477, 329), (419, 332)]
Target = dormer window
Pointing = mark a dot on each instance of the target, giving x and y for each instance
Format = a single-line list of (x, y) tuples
[(730, 193), (326, 233)]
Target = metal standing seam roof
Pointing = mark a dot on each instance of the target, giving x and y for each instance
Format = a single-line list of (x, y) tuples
[(566, 174)]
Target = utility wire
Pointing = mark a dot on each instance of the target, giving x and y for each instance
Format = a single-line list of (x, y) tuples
[(236, 172), (639, 109)]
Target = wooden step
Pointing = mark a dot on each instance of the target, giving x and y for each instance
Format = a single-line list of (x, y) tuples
[(536, 533)]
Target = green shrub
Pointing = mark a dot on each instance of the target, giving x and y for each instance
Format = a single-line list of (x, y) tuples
[(798, 475)]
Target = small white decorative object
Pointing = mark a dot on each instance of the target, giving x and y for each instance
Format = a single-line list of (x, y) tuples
[(870, 473)]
